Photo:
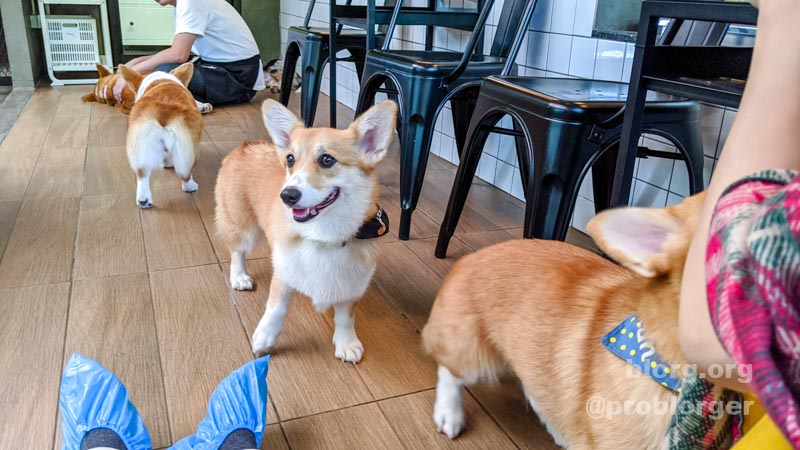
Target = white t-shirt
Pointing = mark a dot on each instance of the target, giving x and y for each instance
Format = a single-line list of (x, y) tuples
[(223, 36)]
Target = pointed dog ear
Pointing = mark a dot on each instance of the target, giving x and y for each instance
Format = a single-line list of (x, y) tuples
[(183, 73), (375, 130), (132, 77), (102, 71), (279, 121)]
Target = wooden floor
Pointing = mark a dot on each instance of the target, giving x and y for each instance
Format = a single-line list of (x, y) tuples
[(85, 270)]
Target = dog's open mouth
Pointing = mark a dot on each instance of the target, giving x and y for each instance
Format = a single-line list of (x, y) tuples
[(306, 214)]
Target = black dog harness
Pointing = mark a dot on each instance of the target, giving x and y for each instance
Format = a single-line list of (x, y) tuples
[(375, 227)]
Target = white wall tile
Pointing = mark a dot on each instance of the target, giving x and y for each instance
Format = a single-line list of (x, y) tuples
[(541, 16), (626, 67), (563, 18), (648, 196), (516, 187), (711, 123), (507, 149), (584, 211), (558, 53), (673, 199), (487, 167), (587, 189), (727, 122), (504, 176), (491, 144), (582, 57), (584, 17), (610, 59), (656, 171), (537, 49)]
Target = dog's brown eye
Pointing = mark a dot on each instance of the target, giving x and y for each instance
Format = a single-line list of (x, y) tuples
[(326, 161), (289, 161)]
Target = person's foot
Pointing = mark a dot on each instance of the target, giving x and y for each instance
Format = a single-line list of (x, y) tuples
[(237, 412), (96, 411)]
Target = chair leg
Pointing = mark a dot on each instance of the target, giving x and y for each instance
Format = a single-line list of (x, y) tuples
[(524, 152), (548, 216), (688, 138), (603, 177), (462, 107), (289, 67), (314, 61), (468, 164)]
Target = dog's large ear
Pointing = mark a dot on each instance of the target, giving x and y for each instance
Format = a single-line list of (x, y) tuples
[(639, 238), (102, 71), (132, 77), (279, 122), (375, 130), (183, 73)]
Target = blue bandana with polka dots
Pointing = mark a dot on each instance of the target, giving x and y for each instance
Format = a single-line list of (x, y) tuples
[(627, 341)]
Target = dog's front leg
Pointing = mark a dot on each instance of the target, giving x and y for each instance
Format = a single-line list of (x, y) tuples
[(271, 324), (348, 347)]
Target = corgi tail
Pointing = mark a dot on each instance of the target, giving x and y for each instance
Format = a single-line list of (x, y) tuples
[(89, 98)]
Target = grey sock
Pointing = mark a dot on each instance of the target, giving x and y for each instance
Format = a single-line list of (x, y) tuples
[(102, 437), (240, 439)]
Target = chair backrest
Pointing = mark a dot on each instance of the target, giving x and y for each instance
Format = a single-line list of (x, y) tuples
[(508, 24), (681, 32)]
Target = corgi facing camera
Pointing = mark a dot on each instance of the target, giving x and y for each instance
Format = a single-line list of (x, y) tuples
[(313, 193)]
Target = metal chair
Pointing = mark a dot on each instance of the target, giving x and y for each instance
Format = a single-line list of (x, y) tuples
[(423, 81), (564, 127)]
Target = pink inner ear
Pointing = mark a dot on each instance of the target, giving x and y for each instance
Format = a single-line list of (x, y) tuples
[(369, 141), (645, 237)]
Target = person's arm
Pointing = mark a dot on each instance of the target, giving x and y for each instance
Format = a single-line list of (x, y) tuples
[(765, 135), (178, 53)]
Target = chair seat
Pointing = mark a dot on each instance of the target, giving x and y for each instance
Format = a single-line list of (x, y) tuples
[(345, 37), (583, 101), (432, 63)]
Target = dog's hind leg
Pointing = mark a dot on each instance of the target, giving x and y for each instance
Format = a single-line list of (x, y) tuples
[(448, 409), (348, 347), (144, 198), (271, 324), (239, 278)]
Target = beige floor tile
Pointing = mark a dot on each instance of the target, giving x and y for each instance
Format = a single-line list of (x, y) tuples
[(111, 320), (42, 243), (506, 403), (59, 173), (274, 439), (200, 340), (8, 215), (407, 281), (110, 238), (108, 130), (358, 427), (302, 367), (174, 235), (19, 153), (424, 249), (34, 319), (477, 241), (68, 132), (394, 363), (108, 172), (411, 418)]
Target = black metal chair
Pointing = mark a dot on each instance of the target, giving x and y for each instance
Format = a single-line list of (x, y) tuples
[(564, 127), (423, 81), (312, 44)]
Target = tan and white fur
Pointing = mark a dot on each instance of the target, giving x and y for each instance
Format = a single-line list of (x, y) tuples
[(309, 209), (539, 309), (164, 128)]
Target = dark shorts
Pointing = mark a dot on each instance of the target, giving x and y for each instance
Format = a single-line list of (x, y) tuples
[(222, 83)]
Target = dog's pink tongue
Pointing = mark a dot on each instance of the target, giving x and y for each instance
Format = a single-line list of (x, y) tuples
[(300, 213)]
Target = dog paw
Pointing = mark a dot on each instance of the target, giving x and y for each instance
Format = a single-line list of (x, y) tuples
[(242, 282), (449, 419), (145, 203), (204, 108), (349, 350), (189, 186), (263, 341)]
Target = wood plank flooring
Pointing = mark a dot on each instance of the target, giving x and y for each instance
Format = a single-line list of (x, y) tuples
[(145, 292)]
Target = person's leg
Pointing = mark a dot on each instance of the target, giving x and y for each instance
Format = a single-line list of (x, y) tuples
[(95, 410), (237, 412), (197, 85)]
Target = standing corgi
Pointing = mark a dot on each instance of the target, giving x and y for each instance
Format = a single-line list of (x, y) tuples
[(545, 310), (313, 192), (164, 128)]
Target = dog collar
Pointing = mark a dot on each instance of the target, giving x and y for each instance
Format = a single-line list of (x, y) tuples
[(627, 340), (375, 227)]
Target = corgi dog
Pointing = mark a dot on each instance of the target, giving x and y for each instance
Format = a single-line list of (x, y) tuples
[(164, 128), (539, 309), (310, 192), (103, 91)]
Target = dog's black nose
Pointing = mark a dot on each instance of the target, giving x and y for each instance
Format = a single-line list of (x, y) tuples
[(290, 196)]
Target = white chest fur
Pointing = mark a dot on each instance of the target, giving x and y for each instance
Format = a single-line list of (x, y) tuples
[(328, 274)]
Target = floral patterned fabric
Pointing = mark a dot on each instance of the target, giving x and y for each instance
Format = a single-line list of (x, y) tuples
[(753, 288)]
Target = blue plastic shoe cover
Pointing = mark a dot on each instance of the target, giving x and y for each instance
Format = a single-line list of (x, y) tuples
[(239, 401), (92, 397)]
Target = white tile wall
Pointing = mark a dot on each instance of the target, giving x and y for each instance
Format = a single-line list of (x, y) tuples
[(558, 45)]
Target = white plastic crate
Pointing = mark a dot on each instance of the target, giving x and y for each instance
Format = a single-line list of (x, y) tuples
[(71, 43)]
